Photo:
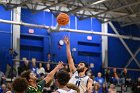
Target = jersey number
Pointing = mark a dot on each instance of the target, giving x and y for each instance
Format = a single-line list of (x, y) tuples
[(77, 83)]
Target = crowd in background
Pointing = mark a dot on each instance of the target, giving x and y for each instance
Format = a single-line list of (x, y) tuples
[(104, 81), (102, 84)]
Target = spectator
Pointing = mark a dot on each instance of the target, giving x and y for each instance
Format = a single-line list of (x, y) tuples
[(115, 77), (25, 67), (49, 57), (125, 77), (33, 67), (12, 55), (10, 71), (107, 75), (3, 88), (136, 86), (2, 78), (112, 89), (104, 88), (41, 69), (99, 79), (96, 88), (90, 73), (48, 68)]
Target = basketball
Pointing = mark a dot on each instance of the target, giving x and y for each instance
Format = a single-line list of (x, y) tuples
[(63, 19)]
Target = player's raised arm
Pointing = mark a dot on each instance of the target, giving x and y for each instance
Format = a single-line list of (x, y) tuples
[(51, 74), (69, 56)]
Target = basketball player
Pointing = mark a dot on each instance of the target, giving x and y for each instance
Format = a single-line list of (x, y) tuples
[(31, 78), (20, 85), (78, 74), (62, 78)]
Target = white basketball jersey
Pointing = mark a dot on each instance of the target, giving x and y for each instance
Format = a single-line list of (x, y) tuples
[(81, 82), (64, 91)]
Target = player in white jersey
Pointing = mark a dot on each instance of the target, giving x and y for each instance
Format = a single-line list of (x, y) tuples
[(62, 78), (66, 91), (78, 74)]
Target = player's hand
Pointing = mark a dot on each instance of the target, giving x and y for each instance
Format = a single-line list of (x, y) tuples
[(66, 40), (60, 65)]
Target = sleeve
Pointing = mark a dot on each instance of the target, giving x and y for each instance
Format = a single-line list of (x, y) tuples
[(42, 83), (28, 90)]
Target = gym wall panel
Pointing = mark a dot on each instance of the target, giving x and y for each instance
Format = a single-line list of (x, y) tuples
[(56, 49), (138, 56), (5, 40), (54, 20), (6, 15), (37, 31), (133, 45), (31, 52), (39, 40), (96, 25), (38, 18), (134, 75), (72, 22), (48, 18), (118, 56), (132, 30), (46, 47), (84, 24), (31, 42), (89, 47), (29, 17), (133, 65), (5, 37)]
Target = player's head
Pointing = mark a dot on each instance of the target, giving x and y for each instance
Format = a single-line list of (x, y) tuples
[(99, 74), (74, 87), (11, 50), (62, 78), (20, 85), (82, 66), (125, 70), (49, 55), (29, 75)]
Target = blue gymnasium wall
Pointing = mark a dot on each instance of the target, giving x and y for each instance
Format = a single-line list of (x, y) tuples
[(35, 45), (42, 42), (118, 56), (5, 37)]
